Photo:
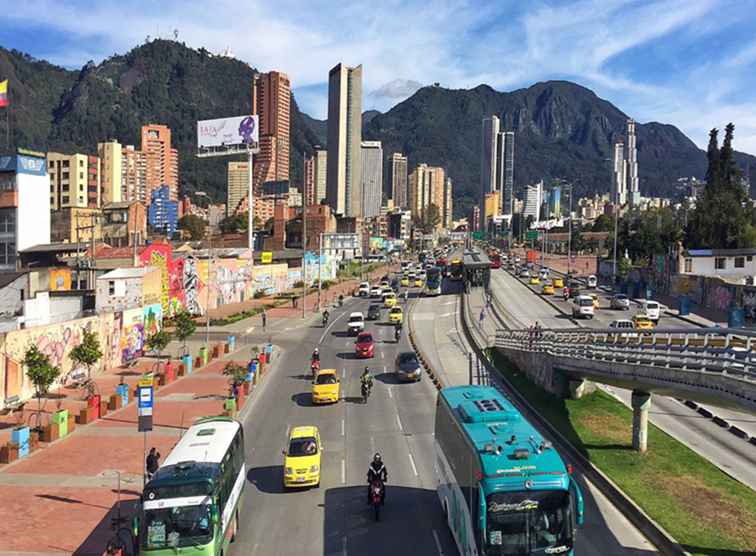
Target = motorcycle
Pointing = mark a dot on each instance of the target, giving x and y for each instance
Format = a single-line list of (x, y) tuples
[(365, 389), (376, 497), (325, 319), (341, 300), (314, 367), (397, 333)]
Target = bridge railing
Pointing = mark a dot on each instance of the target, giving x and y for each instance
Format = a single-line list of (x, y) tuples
[(716, 351)]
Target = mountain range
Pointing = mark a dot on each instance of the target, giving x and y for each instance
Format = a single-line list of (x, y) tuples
[(563, 130)]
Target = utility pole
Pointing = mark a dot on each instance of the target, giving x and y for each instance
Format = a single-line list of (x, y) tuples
[(569, 238), (304, 252), (614, 261), (320, 266)]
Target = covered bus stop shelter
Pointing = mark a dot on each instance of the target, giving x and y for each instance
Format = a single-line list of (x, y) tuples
[(477, 269)]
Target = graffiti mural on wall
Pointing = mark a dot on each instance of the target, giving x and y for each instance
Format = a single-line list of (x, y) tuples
[(152, 318), (190, 282), (719, 296), (160, 255), (131, 342)]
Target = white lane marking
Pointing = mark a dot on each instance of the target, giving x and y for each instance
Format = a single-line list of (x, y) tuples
[(342, 427), (412, 463), (329, 327), (447, 314), (249, 330), (381, 355), (343, 472), (343, 372), (390, 394), (399, 422), (343, 545), (438, 543), (288, 428), (254, 549)]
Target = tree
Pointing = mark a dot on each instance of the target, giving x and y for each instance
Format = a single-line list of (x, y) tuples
[(87, 353), (236, 373), (158, 341), (431, 217), (238, 223), (604, 223), (185, 327), (41, 373), (194, 225)]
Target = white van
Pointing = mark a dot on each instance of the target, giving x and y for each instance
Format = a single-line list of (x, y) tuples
[(592, 281), (652, 309), (582, 306)]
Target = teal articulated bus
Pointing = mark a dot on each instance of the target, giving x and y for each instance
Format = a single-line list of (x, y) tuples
[(503, 488), (433, 282), (192, 503)]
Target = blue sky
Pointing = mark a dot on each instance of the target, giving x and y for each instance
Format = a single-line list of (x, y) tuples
[(691, 63)]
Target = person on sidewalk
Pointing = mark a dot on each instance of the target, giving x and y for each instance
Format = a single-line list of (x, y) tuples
[(153, 462), (264, 317)]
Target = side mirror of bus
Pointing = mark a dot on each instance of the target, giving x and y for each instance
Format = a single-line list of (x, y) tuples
[(215, 515)]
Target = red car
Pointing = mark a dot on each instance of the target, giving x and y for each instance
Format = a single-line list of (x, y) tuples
[(364, 345)]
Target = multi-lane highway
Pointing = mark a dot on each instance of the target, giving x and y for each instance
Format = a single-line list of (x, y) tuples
[(524, 306), (438, 332), (397, 421)]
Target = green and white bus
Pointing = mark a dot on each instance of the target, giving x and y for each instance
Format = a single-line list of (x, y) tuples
[(194, 498)]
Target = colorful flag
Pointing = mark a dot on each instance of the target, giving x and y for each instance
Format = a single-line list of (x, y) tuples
[(4, 93)]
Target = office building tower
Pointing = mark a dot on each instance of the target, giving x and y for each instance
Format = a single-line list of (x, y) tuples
[(427, 186), (160, 159), (24, 205), (399, 192), (533, 201), (344, 174), (162, 213), (133, 175), (506, 170), (237, 185), (74, 180), (271, 101), (372, 178), (632, 165), (111, 156), (555, 202), (619, 183), (447, 212), (497, 166), (315, 176)]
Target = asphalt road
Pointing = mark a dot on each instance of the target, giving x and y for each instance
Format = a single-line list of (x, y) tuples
[(730, 453), (397, 421), (439, 334)]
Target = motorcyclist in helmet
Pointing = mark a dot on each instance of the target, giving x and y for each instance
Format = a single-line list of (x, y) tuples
[(366, 378), (398, 331), (326, 314), (316, 355), (377, 471)]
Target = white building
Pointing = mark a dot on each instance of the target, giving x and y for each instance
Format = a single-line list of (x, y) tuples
[(619, 180), (533, 201), (733, 265), (372, 178), (632, 165)]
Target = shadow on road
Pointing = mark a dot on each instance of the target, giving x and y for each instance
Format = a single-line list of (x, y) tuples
[(387, 378), (303, 399), (267, 478)]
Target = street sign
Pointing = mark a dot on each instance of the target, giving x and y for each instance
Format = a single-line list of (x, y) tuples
[(266, 257), (145, 402), (479, 236), (531, 235)]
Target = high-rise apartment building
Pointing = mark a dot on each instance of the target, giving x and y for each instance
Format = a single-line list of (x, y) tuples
[(372, 178), (489, 138), (160, 159), (74, 180), (271, 101), (237, 185), (496, 165), (315, 176), (632, 165), (447, 212), (427, 184), (619, 175), (133, 175), (505, 167), (344, 176), (111, 156), (399, 192), (533, 201)]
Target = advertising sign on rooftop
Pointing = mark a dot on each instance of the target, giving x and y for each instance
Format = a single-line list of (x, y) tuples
[(227, 132)]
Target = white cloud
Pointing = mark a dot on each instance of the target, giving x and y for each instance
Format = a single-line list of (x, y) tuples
[(460, 44)]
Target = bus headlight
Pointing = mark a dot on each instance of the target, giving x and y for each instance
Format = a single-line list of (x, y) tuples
[(314, 469), (289, 471)]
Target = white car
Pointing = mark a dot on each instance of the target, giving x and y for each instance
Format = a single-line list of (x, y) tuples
[(592, 281), (376, 292), (624, 326), (524, 273), (582, 306), (364, 290), (356, 323), (652, 309), (544, 273)]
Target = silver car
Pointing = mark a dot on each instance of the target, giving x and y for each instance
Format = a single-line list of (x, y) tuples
[(620, 301)]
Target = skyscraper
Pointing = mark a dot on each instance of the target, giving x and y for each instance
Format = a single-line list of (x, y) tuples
[(372, 178), (315, 167), (506, 141), (533, 201), (427, 184), (133, 175), (237, 185), (619, 183), (344, 173), (161, 160), (398, 169), (497, 166), (110, 171), (632, 165), (446, 213), (271, 101)]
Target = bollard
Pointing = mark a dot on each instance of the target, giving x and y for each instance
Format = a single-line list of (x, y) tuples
[(60, 418), (123, 391), (187, 359), (20, 437), (231, 344)]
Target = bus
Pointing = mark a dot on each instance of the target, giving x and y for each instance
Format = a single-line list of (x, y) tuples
[(456, 270), (503, 488), (193, 500), (433, 282)]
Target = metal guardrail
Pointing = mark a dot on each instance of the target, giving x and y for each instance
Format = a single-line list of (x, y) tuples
[(707, 353)]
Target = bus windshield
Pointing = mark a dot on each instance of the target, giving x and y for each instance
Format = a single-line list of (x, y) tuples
[(178, 526), (528, 523)]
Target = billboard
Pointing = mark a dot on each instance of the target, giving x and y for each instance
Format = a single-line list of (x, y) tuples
[(341, 241), (225, 132)]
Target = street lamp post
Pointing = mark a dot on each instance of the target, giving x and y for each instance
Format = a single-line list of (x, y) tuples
[(569, 236), (209, 274)]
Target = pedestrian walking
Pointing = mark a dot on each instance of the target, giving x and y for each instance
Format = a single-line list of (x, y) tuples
[(264, 317), (234, 390), (153, 462)]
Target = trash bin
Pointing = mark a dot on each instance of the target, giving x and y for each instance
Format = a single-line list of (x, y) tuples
[(684, 305), (230, 405), (187, 360), (93, 405), (20, 437), (60, 418), (203, 355), (251, 370), (736, 318), (231, 343), (123, 391)]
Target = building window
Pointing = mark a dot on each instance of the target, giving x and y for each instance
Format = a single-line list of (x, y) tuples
[(688, 265), (65, 200), (720, 263), (8, 253), (111, 288), (739, 262), (749, 258)]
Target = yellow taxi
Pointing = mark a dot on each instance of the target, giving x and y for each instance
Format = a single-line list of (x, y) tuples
[(396, 315), (325, 387), (548, 289), (535, 280), (389, 299), (302, 458), (642, 322), (595, 300), (405, 281), (558, 282), (385, 284), (418, 282)]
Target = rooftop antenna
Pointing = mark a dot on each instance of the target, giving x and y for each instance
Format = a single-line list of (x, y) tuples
[(175, 34)]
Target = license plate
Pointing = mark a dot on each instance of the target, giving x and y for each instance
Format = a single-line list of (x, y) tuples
[(300, 479)]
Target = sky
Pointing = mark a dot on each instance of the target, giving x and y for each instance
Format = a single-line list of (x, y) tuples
[(691, 63)]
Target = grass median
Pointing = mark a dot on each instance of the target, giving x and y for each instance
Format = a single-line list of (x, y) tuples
[(705, 510)]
